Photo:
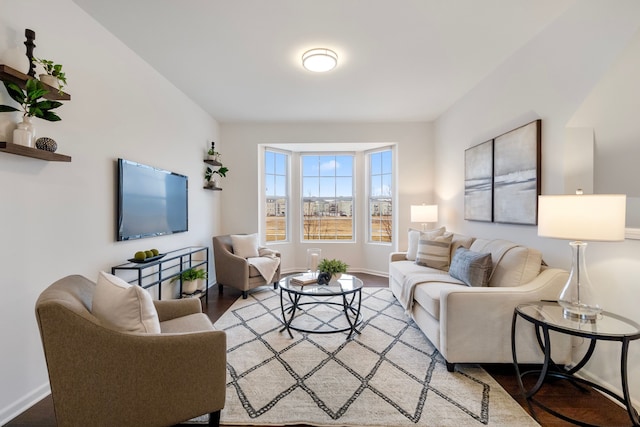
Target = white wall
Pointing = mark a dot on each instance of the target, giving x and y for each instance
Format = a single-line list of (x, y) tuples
[(59, 218), (549, 78), (240, 197)]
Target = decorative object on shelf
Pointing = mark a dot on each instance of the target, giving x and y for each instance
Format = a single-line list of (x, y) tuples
[(191, 279), (54, 76), (212, 154), (596, 217), (334, 267), (314, 255), (424, 214), (146, 256), (209, 175), (29, 43), (23, 134), (47, 144)]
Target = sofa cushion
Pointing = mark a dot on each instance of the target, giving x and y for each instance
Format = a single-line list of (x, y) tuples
[(473, 268), (460, 241), (415, 236), (245, 246), (400, 270), (196, 322), (428, 295), (436, 252), (513, 264), (124, 307)]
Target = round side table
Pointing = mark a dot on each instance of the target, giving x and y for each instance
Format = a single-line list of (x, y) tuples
[(548, 316)]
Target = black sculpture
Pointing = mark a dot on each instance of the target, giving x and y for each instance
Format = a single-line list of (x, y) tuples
[(324, 278), (31, 36)]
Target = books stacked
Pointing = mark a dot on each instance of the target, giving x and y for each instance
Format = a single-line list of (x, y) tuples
[(304, 279)]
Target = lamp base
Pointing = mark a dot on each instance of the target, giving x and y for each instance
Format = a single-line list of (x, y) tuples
[(580, 315)]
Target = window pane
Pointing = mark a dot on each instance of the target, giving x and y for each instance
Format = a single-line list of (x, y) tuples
[(269, 181), (269, 162), (344, 187), (310, 187), (280, 186), (327, 187), (381, 220), (386, 162), (310, 165), (328, 166), (375, 164), (380, 193), (281, 164), (276, 229), (386, 185), (344, 165), (376, 186)]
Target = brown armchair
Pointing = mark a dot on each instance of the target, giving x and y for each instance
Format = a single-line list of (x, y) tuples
[(235, 271), (103, 377)]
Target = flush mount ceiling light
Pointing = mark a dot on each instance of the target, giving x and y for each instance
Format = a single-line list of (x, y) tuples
[(319, 60)]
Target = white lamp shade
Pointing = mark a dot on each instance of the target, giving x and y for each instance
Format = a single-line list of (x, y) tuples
[(585, 217), (319, 60), (424, 213)]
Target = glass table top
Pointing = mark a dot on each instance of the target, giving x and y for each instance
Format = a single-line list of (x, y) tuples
[(606, 324), (346, 284)]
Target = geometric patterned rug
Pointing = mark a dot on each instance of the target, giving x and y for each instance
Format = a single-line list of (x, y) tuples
[(389, 375)]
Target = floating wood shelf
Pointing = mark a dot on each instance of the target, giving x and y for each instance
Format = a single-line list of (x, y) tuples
[(213, 188), (213, 162), (9, 74), (21, 150)]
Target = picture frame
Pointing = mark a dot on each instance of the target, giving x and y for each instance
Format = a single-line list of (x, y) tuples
[(478, 182), (516, 175)]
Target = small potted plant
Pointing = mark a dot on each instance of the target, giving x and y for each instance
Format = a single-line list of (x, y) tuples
[(212, 153), (191, 280), (209, 173), (54, 76), (334, 267)]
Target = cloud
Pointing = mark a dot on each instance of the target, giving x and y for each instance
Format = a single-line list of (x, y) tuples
[(330, 165)]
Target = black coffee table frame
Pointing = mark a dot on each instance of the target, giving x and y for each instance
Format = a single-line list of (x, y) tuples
[(351, 304)]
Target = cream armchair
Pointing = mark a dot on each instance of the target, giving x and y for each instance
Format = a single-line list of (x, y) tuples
[(102, 377), (235, 271)]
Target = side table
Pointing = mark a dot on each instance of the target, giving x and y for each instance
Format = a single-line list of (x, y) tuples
[(548, 316)]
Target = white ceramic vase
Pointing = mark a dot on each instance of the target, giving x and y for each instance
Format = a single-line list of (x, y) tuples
[(24, 134)]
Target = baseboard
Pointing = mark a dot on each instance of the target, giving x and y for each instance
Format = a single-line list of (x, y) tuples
[(21, 405), (587, 375)]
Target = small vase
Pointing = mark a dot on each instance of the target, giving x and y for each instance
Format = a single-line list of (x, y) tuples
[(23, 134)]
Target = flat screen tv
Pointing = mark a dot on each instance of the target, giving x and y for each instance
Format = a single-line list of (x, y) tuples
[(151, 201)]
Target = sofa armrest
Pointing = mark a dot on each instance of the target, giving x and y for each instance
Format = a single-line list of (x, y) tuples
[(171, 309), (493, 307), (397, 256)]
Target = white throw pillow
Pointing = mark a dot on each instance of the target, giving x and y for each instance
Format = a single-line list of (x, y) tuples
[(124, 307), (245, 245), (414, 239)]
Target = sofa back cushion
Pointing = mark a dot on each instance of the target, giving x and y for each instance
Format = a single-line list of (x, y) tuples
[(415, 236), (513, 264)]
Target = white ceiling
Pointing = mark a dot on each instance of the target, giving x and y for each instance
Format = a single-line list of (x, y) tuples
[(399, 60)]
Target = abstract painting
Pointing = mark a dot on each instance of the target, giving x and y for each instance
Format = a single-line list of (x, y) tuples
[(516, 175), (478, 182)]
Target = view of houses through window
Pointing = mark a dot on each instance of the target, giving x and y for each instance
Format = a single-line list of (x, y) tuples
[(380, 196), (277, 195), (327, 197)]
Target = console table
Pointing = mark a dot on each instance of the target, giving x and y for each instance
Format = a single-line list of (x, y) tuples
[(172, 264), (548, 316)]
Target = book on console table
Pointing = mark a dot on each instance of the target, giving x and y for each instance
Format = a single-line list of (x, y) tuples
[(304, 279)]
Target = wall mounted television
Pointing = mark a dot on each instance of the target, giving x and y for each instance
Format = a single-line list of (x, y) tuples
[(151, 201)]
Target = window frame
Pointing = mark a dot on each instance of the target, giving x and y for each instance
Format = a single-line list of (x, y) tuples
[(370, 198), (287, 197)]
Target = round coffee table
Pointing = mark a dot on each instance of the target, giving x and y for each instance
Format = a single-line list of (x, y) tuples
[(348, 288)]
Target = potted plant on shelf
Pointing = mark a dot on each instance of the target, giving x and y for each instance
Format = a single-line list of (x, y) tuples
[(191, 280), (334, 267), (54, 76), (32, 105), (209, 173), (213, 154)]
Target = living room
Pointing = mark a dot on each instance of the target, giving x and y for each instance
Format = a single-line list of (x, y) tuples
[(579, 71)]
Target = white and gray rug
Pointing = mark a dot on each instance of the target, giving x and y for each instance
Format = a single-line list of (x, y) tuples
[(390, 375)]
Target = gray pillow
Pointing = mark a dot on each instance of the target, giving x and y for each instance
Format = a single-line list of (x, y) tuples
[(473, 268)]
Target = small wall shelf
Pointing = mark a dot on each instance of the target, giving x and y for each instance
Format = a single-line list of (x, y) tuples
[(213, 162), (212, 188), (21, 150), (9, 74)]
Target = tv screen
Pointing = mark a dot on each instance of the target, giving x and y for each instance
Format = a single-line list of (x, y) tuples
[(151, 201)]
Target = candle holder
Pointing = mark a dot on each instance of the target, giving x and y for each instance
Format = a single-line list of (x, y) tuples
[(314, 255)]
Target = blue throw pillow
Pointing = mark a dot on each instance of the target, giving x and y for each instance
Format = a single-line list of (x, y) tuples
[(472, 268)]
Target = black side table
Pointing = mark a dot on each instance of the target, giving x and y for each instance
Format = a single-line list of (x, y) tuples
[(547, 316)]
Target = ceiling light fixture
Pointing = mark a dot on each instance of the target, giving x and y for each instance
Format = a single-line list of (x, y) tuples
[(319, 60)]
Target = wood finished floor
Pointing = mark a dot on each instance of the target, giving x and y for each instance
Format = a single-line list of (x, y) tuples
[(589, 406)]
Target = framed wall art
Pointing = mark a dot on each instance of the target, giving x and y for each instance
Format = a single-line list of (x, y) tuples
[(478, 182), (516, 175)]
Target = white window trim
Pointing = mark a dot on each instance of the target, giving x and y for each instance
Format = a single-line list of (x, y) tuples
[(368, 197)]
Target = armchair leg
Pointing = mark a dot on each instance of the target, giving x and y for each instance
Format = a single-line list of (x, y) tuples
[(244, 294), (214, 419), (451, 367), (275, 285), (219, 288)]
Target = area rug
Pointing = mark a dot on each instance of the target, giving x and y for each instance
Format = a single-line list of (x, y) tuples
[(389, 375)]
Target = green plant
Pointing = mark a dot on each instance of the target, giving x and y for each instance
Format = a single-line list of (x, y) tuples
[(30, 101), (332, 266), (190, 275), (54, 70)]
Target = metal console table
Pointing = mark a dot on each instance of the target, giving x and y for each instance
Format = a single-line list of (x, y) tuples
[(548, 316), (170, 265)]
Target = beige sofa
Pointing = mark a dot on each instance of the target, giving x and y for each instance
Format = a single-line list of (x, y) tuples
[(473, 324)]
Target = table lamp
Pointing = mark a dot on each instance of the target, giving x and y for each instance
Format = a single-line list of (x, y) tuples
[(580, 217), (424, 214)]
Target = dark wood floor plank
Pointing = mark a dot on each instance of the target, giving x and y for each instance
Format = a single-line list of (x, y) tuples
[(590, 406)]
